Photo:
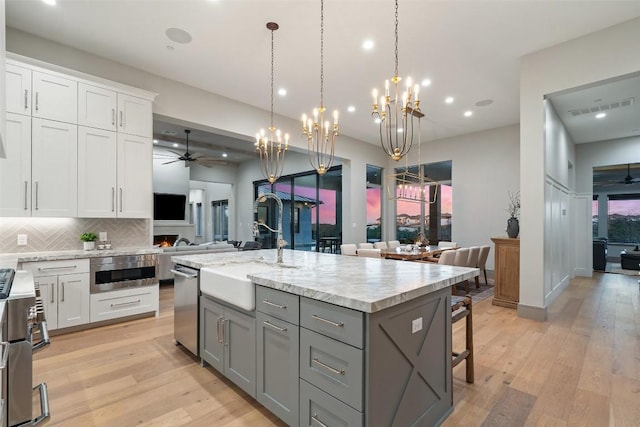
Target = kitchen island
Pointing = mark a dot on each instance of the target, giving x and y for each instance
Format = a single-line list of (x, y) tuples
[(338, 340)]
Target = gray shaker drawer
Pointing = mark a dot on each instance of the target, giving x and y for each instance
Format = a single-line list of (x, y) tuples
[(343, 324), (283, 305), (332, 366), (318, 409)]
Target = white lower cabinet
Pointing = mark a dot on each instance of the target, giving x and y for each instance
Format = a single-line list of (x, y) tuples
[(124, 302), (64, 289)]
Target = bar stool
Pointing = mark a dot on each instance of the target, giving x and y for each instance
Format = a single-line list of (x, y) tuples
[(460, 309)]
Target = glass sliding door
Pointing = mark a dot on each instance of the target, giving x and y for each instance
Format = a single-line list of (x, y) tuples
[(304, 217), (329, 230), (220, 220)]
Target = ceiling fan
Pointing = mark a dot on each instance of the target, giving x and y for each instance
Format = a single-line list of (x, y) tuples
[(189, 158), (627, 180)]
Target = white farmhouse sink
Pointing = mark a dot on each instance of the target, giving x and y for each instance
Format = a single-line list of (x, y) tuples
[(229, 282)]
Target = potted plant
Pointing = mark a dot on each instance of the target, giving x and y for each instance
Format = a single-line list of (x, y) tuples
[(88, 241)]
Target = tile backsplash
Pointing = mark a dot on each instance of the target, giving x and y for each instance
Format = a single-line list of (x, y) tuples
[(58, 234)]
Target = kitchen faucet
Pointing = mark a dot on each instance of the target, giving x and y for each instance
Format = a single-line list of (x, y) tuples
[(281, 243), (180, 240)]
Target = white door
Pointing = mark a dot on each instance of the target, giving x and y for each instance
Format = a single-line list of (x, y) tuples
[(49, 294), (18, 89), (135, 182), (96, 173), (134, 116), (73, 300), (54, 169), (54, 98), (96, 107), (15, 169)]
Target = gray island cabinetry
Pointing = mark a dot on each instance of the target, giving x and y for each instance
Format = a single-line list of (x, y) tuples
[(342, 341)]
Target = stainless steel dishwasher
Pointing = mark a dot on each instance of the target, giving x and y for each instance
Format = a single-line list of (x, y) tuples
[(186, 291)]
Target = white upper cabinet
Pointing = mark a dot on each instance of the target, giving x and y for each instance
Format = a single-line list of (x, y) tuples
[(54, 98), (97, 107), (135, 180), (96, 173), (54, 168), (134, 116), (18, 89), (15, 169)]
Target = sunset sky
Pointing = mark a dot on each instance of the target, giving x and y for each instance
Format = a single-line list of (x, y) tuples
[(619, 207)]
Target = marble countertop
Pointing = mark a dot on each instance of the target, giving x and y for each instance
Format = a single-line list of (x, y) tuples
[(76, 254), (363, 284)]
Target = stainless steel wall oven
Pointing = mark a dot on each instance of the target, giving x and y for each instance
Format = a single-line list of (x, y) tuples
[(119, 272)]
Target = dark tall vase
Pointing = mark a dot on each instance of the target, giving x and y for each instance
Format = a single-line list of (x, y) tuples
[(513, 227)]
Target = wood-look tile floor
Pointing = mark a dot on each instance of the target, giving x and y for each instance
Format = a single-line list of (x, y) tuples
[(580, 368)]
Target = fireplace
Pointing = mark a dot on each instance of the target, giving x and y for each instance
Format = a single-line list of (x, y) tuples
[(165, 240)]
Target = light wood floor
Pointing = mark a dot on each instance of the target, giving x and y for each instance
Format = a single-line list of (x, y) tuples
[(580, 368)]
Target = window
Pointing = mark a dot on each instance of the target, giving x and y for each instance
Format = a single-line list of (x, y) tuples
[(198, 217), (220, 219), (594, 216), (374, 203), (623, 212)]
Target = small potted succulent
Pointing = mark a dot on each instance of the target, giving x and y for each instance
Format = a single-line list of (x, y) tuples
[(88, 241)]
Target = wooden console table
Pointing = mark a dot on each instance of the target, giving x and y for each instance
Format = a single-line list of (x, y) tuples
[(506, 281)]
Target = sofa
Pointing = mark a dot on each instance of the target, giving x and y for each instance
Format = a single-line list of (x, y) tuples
[(600, 253), (164, 259), (630, 260)]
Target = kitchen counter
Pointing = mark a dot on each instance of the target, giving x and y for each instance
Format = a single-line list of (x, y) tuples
[(77, 254), (364, 284)]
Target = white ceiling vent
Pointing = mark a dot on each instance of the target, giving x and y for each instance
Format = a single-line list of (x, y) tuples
[(628, 102)]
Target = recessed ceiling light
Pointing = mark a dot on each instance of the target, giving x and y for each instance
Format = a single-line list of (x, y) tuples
[(601, 115), (368, 44), (224, 154), (282, 92), (175, 144), (426, 82), (468, 113), (155, 141), (484, 102), (351, 108), (49, 2), (449, 100), (178, 35)]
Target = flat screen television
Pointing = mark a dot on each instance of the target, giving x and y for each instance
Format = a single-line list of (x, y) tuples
[(169, 207)]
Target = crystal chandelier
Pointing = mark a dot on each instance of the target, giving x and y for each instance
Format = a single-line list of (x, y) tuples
[(395, 114), (269, 144), (320, 134)]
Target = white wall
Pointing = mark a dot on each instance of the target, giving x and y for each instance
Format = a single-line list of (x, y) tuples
[(3, 100), (594, 57), (485, 168)]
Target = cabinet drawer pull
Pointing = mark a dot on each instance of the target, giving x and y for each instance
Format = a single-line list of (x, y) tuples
[(272, 304), (315, 419), (327, 367), (120, 304), (337, 325), (56, 268), (277, 328), (26, 93), (26, 184)]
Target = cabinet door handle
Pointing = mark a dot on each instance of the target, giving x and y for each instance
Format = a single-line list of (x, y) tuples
[(121, 119), (218, 333), (26, 184), (272, 304), (26, 94), (113, 199), (224, 333), (120, 199), (327, 367), (37, 96), (36, 195), (314, 418), (62, 293), (322, 319), (113, 117), (277, 328), (126, 303), (53, 287)]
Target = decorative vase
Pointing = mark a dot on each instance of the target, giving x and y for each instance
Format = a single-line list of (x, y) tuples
[(89, 246), (513, 227)]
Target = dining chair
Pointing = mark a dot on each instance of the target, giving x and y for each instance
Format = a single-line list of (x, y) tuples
[(462, 256), (482, 262), (472, 261), (348, 249), (447, 258), (380, 245), (369, 253), (392, 244), (445, 244), (365, 245)]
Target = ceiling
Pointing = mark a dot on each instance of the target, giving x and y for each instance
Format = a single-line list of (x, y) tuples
[(469, 50)]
